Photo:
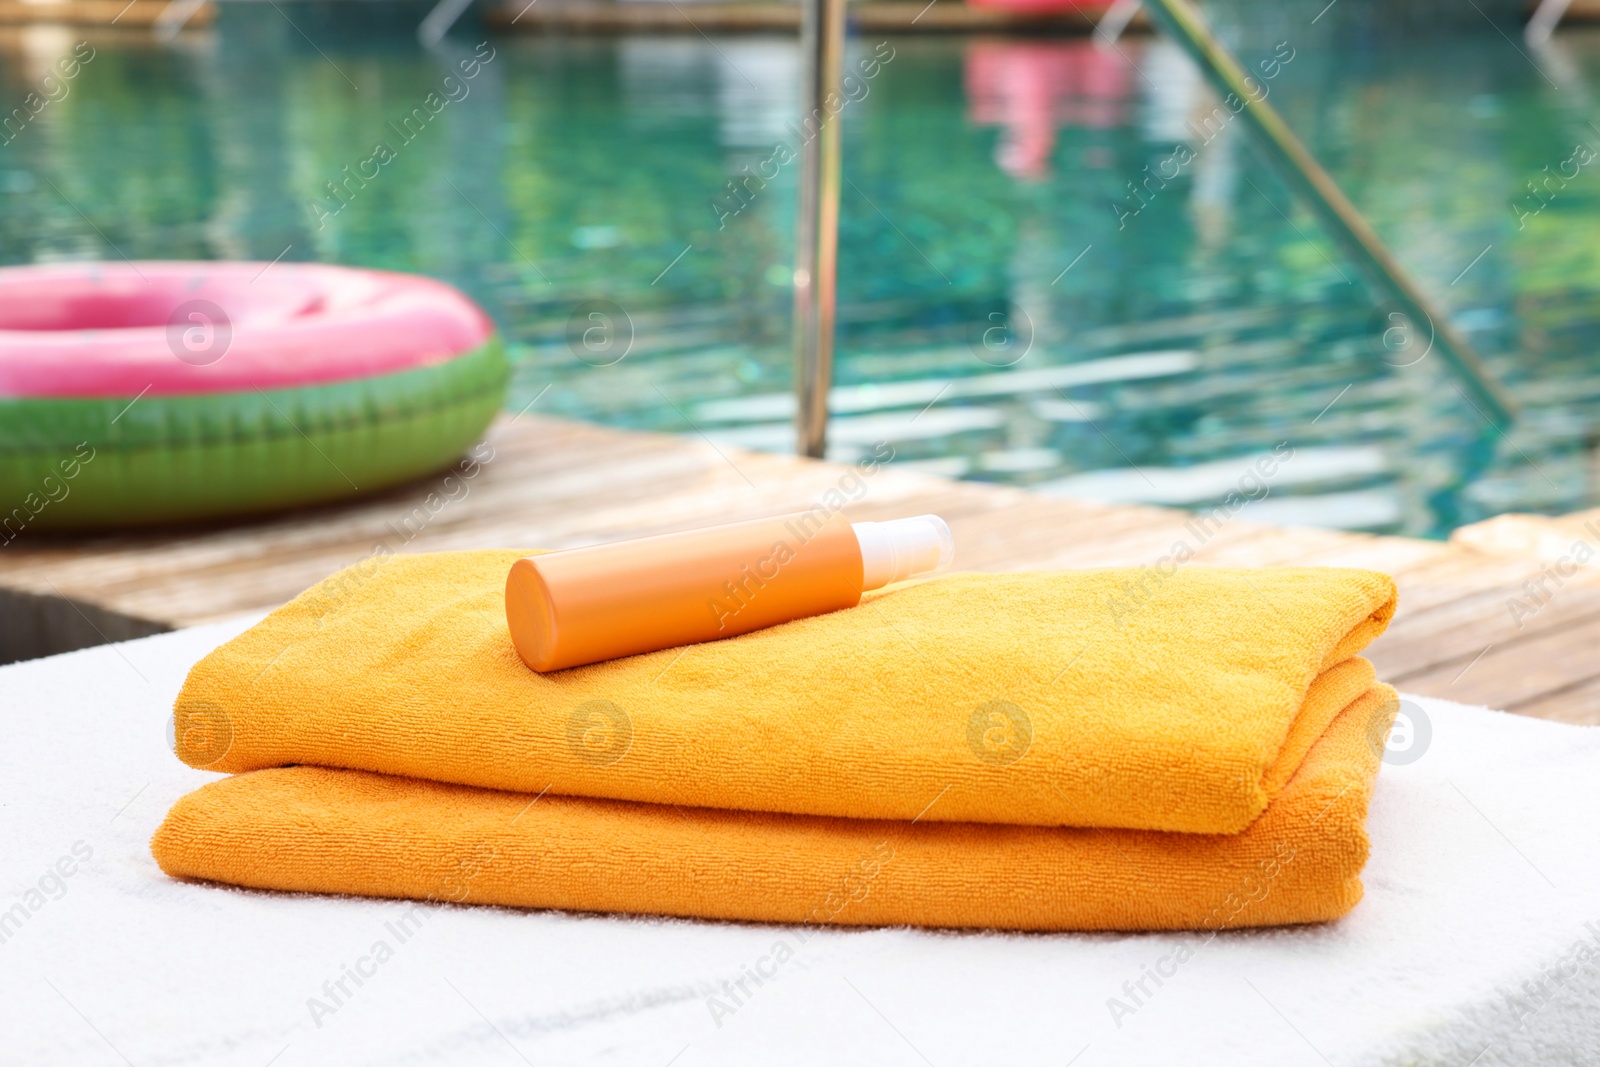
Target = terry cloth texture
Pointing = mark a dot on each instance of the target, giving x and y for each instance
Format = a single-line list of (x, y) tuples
[(1460, 944), (331, 831), (1035, 751), (1112, 698)]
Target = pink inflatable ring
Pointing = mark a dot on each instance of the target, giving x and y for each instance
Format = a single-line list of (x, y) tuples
[(157, 392)]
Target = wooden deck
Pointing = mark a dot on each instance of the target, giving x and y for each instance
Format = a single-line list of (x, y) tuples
[(609, 16), (734, 16), (698, 16), (139, 15), (553, 483)]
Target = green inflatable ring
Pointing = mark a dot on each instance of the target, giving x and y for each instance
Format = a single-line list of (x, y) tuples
[(93, 462)]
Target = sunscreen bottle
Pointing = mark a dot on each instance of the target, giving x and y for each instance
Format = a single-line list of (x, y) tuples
[(584, 605)]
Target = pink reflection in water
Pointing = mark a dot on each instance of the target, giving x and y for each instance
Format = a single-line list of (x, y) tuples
[(1032, 87)]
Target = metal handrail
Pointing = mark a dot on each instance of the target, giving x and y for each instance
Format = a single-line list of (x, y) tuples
[(822, 34), (1337, 214), (817, 237), (816, 253), (1546, 17)]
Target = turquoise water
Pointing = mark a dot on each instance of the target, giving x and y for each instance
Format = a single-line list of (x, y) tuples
[(1006, 313)]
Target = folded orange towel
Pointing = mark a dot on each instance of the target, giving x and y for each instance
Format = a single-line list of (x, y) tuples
[(1178, 700), (312, 829)]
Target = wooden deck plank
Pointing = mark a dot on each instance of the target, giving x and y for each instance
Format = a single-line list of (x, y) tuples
[(1512, 675), (869, 16), (1437, 638), (123, 14), (1579, 703), (555, 483)]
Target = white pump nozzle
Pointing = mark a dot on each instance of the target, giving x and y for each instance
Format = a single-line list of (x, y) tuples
[(903, 548)]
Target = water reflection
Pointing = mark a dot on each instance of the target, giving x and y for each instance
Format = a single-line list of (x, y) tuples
[(1032, 88), (1154, 353)]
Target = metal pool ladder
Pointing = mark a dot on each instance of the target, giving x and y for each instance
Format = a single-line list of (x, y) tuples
[(816, 252)]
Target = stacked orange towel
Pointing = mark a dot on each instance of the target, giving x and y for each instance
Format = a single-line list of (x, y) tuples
[(1079, 750)]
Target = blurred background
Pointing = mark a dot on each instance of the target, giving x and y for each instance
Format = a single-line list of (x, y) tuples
[(1151, 354)]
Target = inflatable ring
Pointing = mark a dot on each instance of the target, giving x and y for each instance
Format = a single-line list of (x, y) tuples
[(139, 393)]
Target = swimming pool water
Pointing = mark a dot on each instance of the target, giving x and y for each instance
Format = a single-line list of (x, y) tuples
[(1013, 309)]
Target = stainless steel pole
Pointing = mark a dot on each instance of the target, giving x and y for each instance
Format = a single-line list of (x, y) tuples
[(1337, 214), (816, 258)]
